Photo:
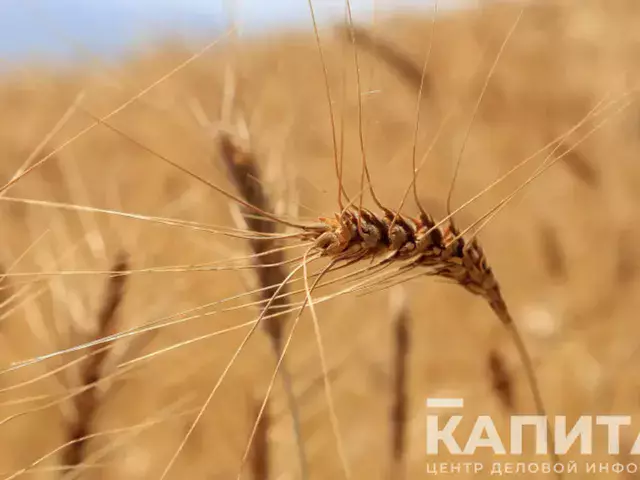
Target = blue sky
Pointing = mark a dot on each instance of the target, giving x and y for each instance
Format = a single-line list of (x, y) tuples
[(67, 29)]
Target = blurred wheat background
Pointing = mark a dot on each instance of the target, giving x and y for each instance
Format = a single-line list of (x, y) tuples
[(565, 251)]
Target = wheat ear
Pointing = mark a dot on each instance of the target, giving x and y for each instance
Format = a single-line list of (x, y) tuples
[(460, 261), (398, 412), (87, 402), (391, 55), (501, 381)]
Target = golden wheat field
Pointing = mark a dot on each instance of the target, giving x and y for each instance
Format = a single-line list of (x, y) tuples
[(112, 231)]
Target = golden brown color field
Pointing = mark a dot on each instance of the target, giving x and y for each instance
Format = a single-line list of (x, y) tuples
[(565, 250)]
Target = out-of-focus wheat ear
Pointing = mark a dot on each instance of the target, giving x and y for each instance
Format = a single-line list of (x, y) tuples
[(391, 55), (627, 262), (87, 402), (578, 166), (260, 465), (501, 381), (398, 411), (245, 174), (552, 253)]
